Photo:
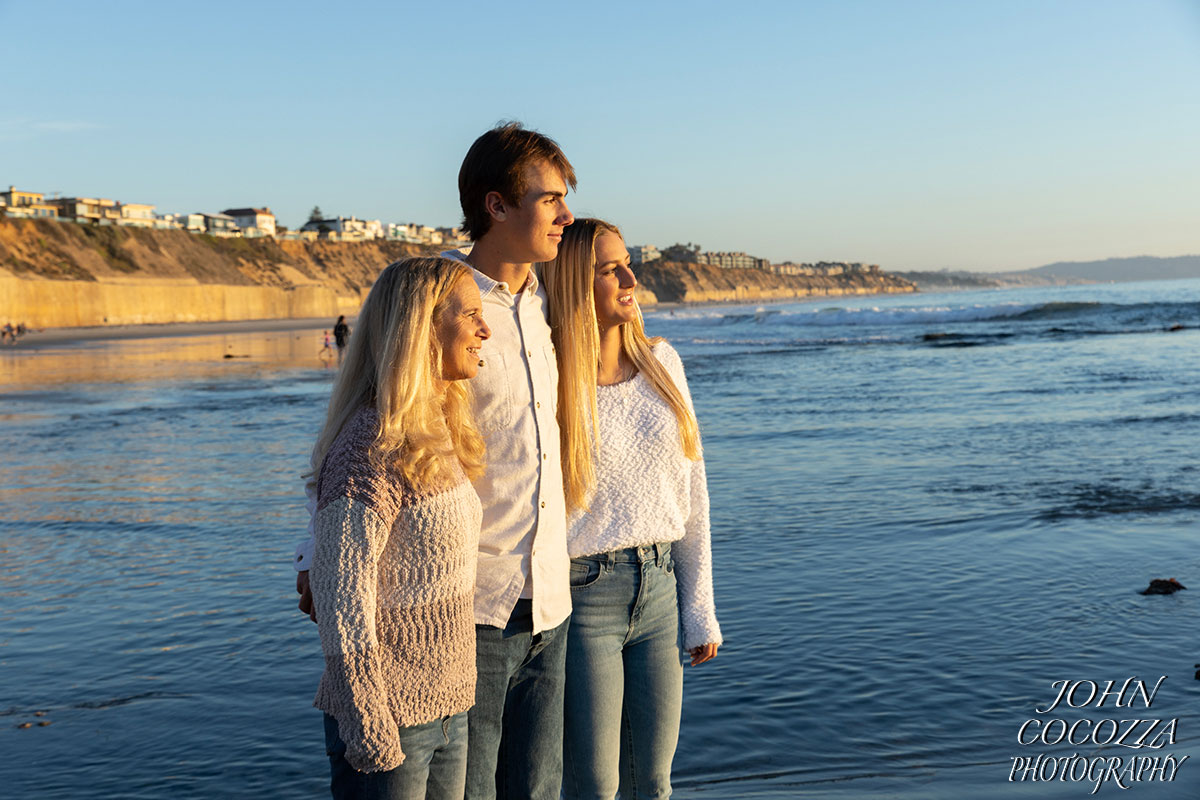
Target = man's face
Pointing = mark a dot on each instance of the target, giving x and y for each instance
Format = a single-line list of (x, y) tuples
[(534, 228)]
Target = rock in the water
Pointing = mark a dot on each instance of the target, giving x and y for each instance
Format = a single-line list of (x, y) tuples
[(1160, 586)]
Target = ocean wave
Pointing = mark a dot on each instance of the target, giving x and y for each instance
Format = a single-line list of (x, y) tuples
[(1174, 419), (1103, 317), (1058, 309), (964, 339), (837, 316), (113, 702), (1092, 500)]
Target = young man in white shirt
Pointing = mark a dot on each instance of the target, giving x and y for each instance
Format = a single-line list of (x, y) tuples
[(512, 188)]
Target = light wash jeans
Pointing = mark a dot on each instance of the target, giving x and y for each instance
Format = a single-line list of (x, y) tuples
[(624, 676), (434, 768), (516, 725)]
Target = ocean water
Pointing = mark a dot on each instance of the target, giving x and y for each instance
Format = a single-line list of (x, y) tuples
[(927, 510)]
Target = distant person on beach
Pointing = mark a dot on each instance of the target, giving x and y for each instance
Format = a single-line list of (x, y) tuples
[(512, 188), (396, 534), (341, 335), (638, 527), (325, 348)]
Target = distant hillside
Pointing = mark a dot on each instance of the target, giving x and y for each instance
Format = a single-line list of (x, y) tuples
[(946, 279), (60, 274), (681, 282), (1138, 268)]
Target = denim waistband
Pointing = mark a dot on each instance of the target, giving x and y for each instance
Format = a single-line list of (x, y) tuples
[(657, 553)]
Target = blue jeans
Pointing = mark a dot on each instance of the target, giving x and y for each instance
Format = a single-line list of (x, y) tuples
[(624, 676), (516, 725), (434, 768)]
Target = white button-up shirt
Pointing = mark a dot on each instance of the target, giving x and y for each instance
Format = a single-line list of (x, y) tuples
[(523, 543)]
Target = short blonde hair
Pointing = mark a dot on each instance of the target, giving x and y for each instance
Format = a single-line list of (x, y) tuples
[(394, 365), (576, 334)]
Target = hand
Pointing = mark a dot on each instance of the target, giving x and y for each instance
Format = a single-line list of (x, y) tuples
[(705, 652), (306, 603)]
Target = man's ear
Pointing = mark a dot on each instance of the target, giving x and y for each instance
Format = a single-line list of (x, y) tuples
[(496, 207)]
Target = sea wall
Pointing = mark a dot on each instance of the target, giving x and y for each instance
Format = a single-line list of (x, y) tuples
[(62, 274), (65, 304)]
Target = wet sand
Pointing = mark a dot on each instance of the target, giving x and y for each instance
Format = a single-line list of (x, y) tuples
[(54, 337), (178, 351)]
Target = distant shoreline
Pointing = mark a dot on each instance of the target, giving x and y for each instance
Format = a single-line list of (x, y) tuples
[(57, 276), (54, 337)]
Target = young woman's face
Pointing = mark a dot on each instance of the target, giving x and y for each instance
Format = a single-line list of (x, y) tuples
[(460, 330), (613, 284)]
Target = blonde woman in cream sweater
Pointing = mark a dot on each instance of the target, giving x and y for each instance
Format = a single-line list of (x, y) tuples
[(638, 533), (396, 532)]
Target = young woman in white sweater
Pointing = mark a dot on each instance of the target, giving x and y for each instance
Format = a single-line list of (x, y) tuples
[(396, 531), (638, 532)]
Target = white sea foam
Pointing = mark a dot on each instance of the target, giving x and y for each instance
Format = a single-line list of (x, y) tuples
[(838, 315)]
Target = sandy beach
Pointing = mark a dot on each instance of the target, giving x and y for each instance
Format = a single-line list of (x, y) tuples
[(173, 351), (65, 337), (55, 337)]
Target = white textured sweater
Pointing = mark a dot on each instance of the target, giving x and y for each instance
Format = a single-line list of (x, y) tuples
[(647, 491), (392, 576)]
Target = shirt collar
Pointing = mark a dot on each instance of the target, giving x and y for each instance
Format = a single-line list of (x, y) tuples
[(487, 285)]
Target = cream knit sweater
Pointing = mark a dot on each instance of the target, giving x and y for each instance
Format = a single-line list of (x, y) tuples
[(392, 577), (647, 491)]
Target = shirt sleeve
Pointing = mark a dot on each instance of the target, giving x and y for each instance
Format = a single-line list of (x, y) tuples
[(302, 558), (304, 551)]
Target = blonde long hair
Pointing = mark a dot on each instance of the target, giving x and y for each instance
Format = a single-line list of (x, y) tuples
[(576, 334), (394, 365)]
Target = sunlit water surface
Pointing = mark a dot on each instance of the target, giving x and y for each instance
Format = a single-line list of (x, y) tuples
[(926, 510)]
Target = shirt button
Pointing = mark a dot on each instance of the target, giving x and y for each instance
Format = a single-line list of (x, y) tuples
[(544, 456), (537, 405), (529, 353), (543, 504)]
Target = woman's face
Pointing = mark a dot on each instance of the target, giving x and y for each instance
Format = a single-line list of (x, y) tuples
[(613, 284), (460, 330)]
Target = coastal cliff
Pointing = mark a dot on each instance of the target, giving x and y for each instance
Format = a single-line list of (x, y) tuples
[(673, 282), (61, 274)]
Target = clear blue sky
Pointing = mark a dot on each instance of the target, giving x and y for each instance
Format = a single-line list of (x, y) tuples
[(915, 135)]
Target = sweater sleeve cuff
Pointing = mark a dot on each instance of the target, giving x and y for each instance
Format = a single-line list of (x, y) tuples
[(374, 747), (702, 632)]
